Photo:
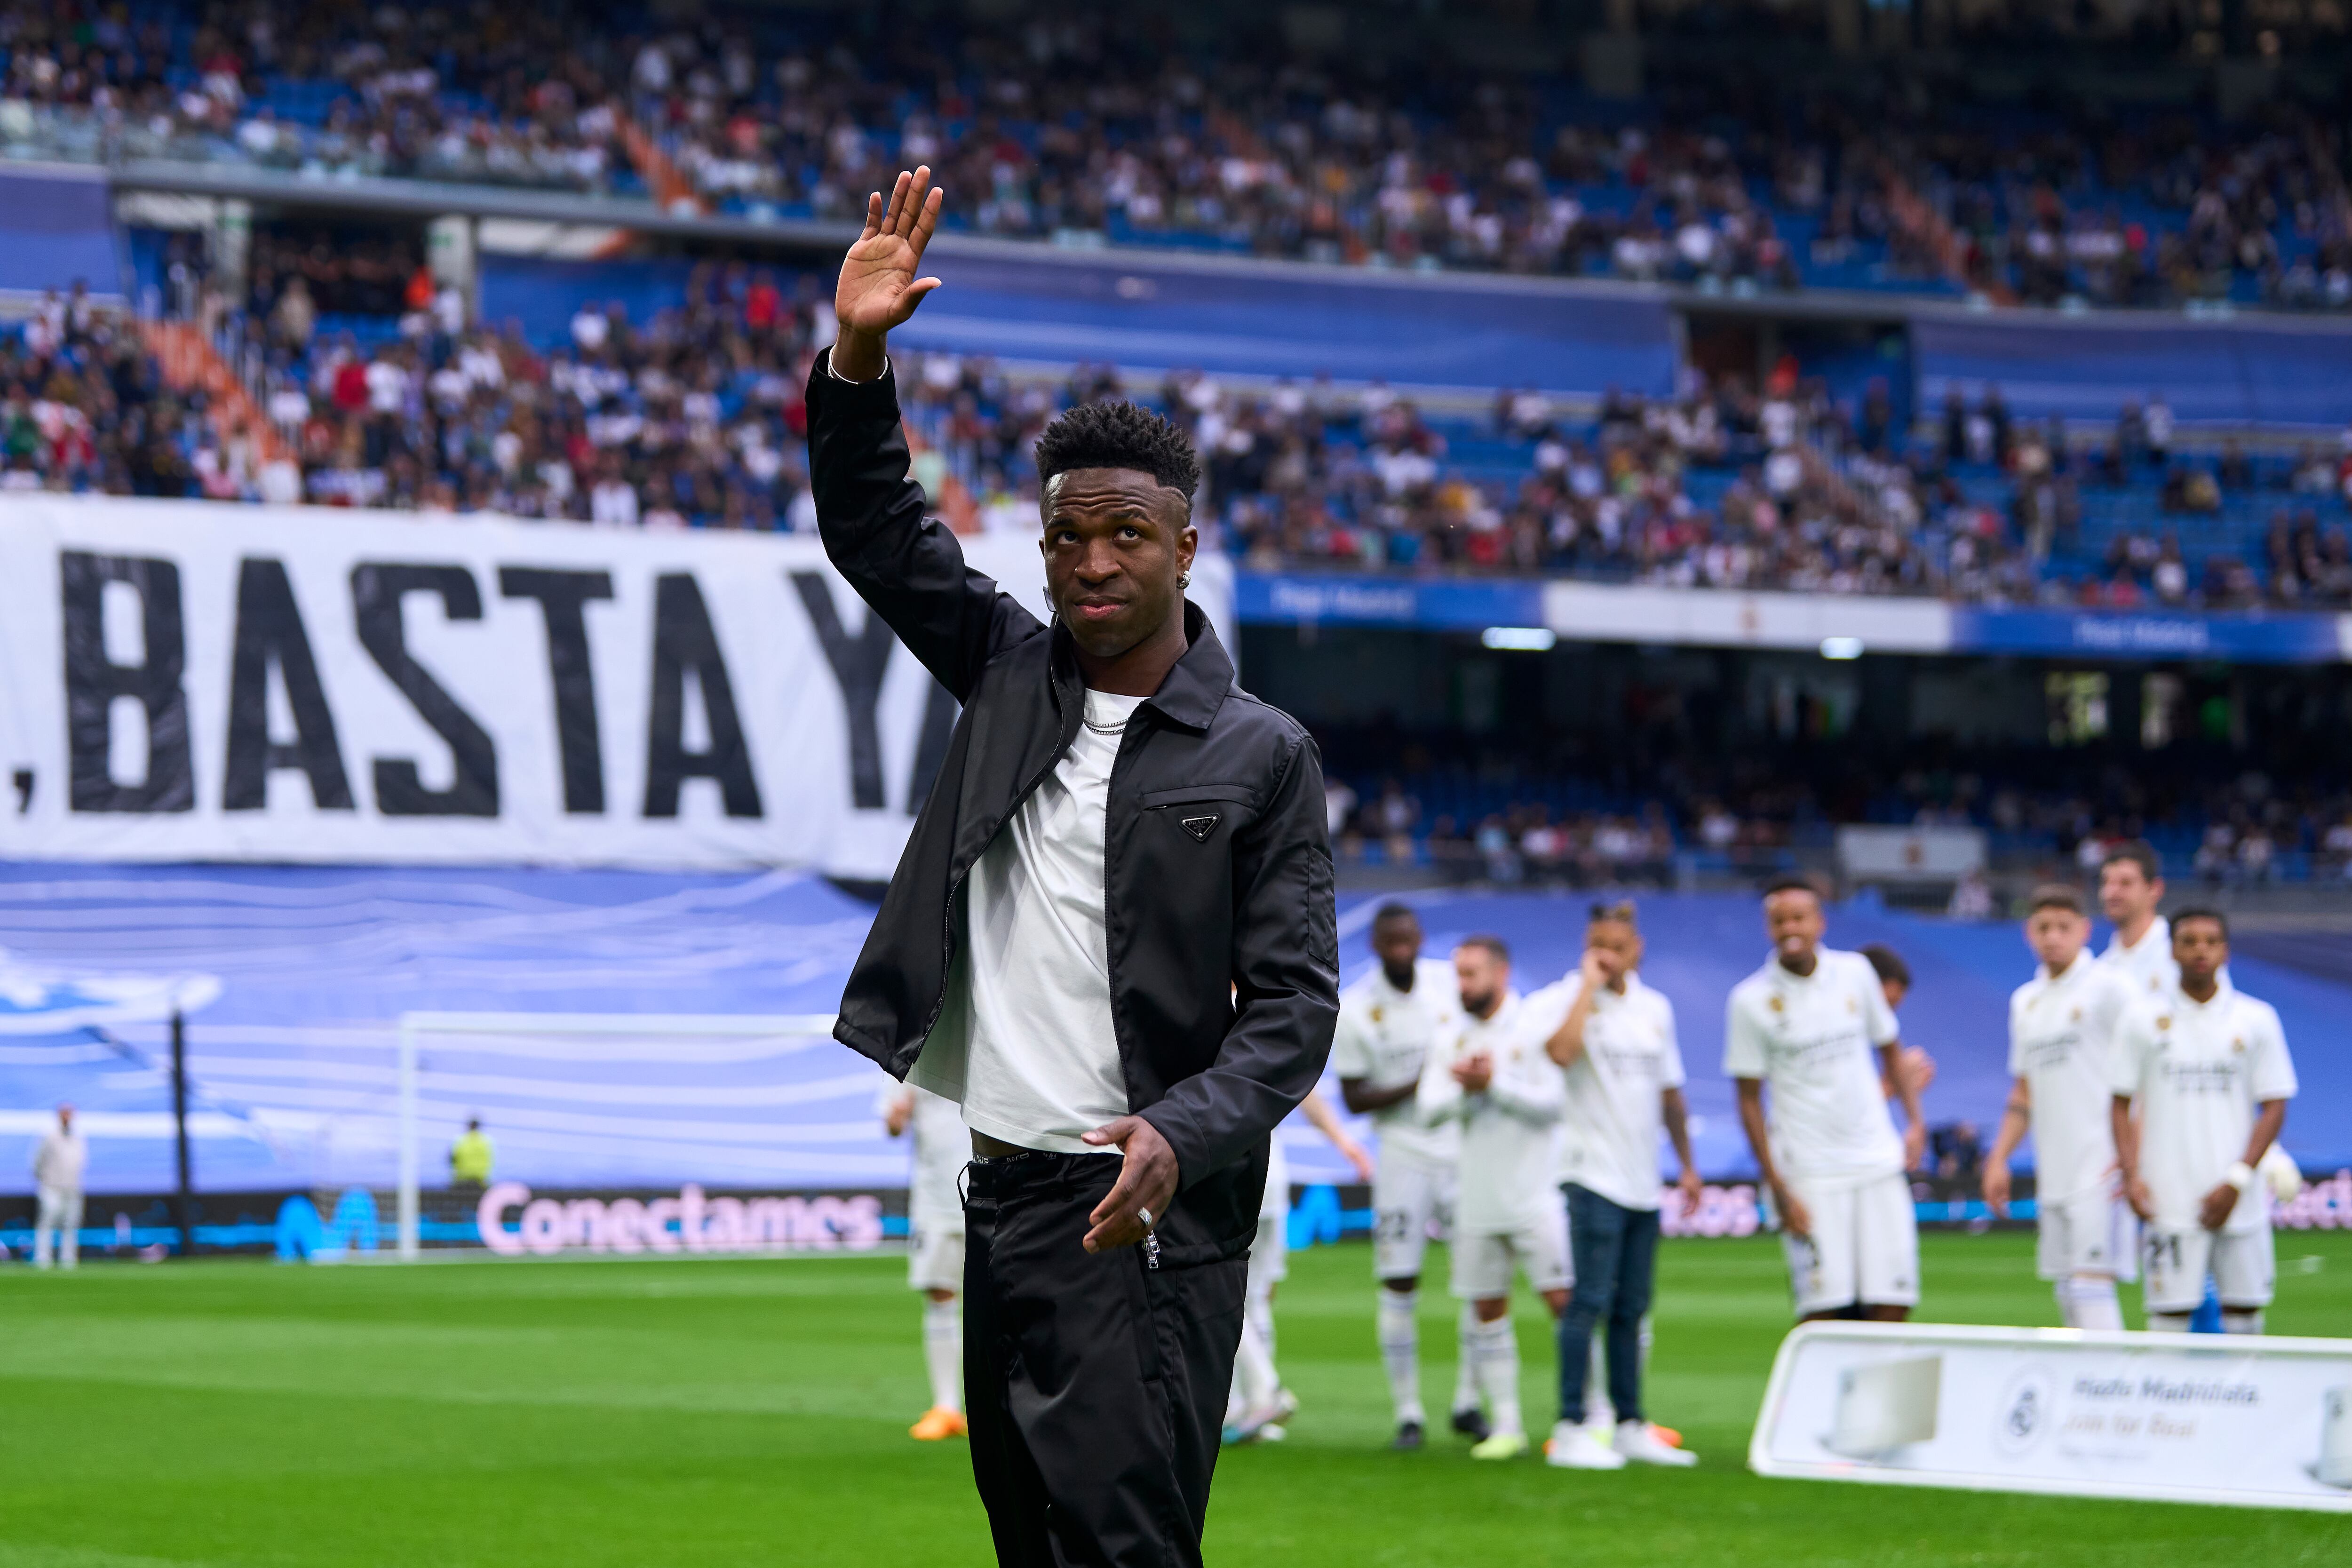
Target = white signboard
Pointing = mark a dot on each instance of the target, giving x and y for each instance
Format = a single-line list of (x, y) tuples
[(1910, 854), (185, 681), (2177, 1417)]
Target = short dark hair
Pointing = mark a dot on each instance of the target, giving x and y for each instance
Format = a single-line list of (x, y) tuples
[(1621, 913), (1119, 435), (1494, 944), (2138, 852), (1794, 882), (1395, 911), (2055, 896), (1887, 964), (2201, 912)]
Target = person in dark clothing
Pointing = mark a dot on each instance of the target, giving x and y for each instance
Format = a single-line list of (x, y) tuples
[(1110, 939)]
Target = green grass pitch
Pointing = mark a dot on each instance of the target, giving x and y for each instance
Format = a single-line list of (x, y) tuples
[(679, 1414)]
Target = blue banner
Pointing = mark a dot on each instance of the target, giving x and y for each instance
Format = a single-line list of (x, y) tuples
[(2124, 635), (1437, 604)]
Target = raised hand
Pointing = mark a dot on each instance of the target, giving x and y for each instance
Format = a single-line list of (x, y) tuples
[(878, 289)]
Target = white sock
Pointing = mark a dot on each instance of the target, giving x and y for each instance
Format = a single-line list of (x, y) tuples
[(943, 1351), (2234, 1321), (1400, 1333), (1496, 1350), (2089, 1302), (1260, 1311), (2167, 1323), (1465, 1362), (1253, 1376)]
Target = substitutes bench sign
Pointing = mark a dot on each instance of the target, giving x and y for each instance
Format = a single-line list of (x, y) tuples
[(185, 681)]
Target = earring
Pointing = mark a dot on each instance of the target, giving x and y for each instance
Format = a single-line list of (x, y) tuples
[(1184, 579)]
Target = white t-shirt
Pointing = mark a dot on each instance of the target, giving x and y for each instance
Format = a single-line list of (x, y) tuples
[(1813, 1039), (1615, 1112), (2148, 969), (1032, 1057), (2198, 1070), (2061, 1033), (943, 1148), (1384, 1038), (1507, 1132)]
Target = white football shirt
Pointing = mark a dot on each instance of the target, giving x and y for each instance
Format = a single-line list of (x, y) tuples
[(1813, 1040), (2062, 1032), (1384, 1036), (1507, 1131), (1031, 1053), (2148, 969), (1615, 1114), (2198, 1070)]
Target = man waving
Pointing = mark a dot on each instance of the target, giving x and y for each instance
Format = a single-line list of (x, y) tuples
[(1110, 940)]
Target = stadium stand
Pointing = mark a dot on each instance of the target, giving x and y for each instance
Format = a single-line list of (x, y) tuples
[(1900, 178)]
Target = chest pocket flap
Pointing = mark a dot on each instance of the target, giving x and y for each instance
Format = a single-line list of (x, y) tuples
[(1199, 810)]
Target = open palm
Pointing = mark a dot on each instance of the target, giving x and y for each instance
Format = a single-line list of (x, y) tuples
[(878, 289)]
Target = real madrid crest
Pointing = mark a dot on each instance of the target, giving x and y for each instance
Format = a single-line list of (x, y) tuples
[(1777, 1004)]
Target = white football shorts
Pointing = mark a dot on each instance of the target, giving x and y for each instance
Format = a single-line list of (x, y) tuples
[(1412, 1201), (1269, 1258), (1483, 1264), (934, 1254), (2244, 1266), (1865, 1246), (2090, 1233)]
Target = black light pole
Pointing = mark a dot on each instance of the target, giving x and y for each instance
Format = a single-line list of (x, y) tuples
[(186, 1204)]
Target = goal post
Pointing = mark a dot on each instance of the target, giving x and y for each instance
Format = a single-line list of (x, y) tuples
[(418, 1031)]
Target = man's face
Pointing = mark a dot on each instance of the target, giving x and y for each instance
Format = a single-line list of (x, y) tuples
[(1893, 991), (1116, 541), (2056, 936), (1397, 943), (1792, 919), (1616, 947), (64, 1117), (1481, 975), (2200, 950), (2127, 896)]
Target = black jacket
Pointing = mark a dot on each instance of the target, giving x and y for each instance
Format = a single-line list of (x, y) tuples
[(1216, 866)]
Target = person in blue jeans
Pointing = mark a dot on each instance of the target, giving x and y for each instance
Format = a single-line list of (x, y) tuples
[(1624, 1074)]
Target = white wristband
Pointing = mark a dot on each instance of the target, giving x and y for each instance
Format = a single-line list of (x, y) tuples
[(2240, 1177)]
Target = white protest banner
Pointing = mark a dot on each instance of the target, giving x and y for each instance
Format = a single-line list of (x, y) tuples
[(187, 681), (2210, 1418)]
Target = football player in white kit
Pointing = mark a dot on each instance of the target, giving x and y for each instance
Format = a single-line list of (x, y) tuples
[(1389, 1021), (2209, 1067), (1813, 1023), (2062, 1026), (2131, 889), (1259, 1404), (1495, 1078), (935, 1243)]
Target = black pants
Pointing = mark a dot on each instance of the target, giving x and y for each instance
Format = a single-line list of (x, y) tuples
[(1616, 1254), (1096, 1384)]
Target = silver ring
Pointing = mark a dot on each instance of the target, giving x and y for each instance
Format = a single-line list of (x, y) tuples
[(1144, 1215)]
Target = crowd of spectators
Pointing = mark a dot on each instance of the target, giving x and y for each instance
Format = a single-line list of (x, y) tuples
[(2221, 826), (693, 417), (1077, 124)]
